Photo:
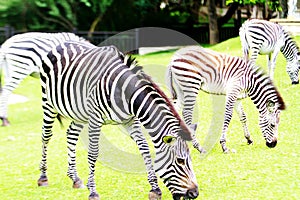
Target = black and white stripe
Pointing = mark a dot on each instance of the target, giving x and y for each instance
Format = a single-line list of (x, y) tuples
[(264, 37), (21, 55), (194, 68), (96, 86)]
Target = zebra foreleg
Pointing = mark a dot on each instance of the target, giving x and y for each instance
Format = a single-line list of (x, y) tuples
[(242, 115), (231, 98), (187, 112), (93, 152), (272, 62), (293, 74), (136, 134), (46, 136), (72, 138), (195, 142)]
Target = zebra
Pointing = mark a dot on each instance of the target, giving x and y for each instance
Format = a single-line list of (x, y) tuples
[(97, 86), (20, 56), (264, 37), (195, 68)]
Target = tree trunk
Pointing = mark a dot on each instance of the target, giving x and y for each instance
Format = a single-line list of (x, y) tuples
[(213, 23)]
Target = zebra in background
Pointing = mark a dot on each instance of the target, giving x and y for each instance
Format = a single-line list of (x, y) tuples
[(194, 68), (264, 37), (97, 86), (20, 56)]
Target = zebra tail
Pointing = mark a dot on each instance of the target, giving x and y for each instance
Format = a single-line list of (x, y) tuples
[(170, 84)]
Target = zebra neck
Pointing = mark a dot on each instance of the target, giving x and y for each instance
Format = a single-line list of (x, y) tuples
[(153, 111), (260, 89)]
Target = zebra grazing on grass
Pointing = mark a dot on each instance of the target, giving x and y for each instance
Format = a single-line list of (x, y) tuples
[(97, 86), (20, 56), (264, 37), (194, 68)]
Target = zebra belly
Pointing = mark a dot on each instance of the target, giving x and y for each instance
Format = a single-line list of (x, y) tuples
[(213, 89)]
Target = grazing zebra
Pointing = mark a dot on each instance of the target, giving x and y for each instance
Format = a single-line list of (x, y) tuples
[(194, 68), (264, 37), (97, 86), (20, 56)]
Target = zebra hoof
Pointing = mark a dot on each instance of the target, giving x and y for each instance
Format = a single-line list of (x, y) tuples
[(226, 151), (43, 181), (94, 196), (249, 142), (203, 151), (295, 82), (5, 122), (78, 184), (155, 194)]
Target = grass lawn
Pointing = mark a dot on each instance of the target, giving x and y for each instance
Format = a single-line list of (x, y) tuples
[(254, 172)]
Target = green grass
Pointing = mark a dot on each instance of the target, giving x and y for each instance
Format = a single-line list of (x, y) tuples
[(254, 172)]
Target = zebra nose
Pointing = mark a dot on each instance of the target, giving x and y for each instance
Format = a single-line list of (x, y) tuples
[(193, 193), (272, 144)]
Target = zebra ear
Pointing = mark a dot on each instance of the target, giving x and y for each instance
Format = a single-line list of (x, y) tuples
[(270, 105), (185, 133)]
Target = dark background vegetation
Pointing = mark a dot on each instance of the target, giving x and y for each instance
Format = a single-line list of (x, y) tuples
[(188, 16)]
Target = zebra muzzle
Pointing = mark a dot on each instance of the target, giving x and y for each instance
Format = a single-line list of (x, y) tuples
[(190, 194), (272, 144)]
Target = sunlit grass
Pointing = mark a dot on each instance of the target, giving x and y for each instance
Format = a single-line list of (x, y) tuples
[(254, 172)]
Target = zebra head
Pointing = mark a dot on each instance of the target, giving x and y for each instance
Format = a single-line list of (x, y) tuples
[(173, 165), (270, 120), (169, 135)]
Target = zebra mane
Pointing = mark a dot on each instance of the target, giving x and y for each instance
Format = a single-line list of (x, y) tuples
[(133, 65)]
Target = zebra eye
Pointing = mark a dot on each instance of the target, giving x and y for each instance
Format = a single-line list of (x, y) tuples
[(271, 106), (169, 139), (180, 161)]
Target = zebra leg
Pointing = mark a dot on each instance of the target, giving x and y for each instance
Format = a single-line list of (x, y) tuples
[(230, 101), (187, 112), (270, 67), (136, 134), (4, 105), (49, 117), (12, 80), (293, 74), (72, 138), (93, 152), (272, 62), (242, 115)]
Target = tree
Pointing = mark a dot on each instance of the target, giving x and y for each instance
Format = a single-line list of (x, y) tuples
[(213, 22)]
